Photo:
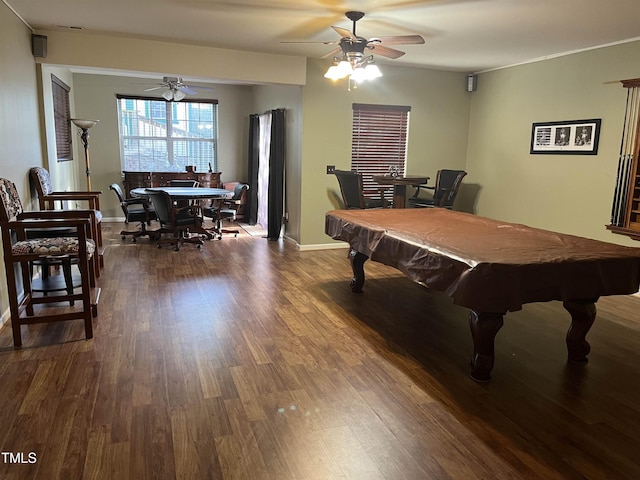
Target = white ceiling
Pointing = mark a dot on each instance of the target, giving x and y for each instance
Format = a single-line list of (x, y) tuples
[(461, 35)]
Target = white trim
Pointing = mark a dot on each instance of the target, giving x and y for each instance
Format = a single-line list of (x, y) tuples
[(323, 246), (18, 15), (563, 54)]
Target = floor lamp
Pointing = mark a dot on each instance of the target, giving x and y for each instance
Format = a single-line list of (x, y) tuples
[(84, 126)]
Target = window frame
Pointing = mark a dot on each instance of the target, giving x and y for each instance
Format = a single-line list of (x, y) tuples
[(379, 142), (170, 141)]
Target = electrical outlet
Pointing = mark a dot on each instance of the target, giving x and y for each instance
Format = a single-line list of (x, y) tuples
[(331, 169)]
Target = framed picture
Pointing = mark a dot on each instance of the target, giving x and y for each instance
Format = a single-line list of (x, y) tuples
[(573, 137)]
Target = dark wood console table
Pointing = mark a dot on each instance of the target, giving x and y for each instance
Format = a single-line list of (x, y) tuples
[(133, 180)]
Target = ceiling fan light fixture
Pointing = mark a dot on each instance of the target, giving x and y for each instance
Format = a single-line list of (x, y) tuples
[(178, 95), (359, 74), (355, 62), (168, 95), (332, 73), (372, 71), (339, 70), (344, 68)]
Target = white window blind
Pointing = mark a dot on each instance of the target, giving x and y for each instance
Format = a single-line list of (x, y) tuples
[(62, 119), (379, 142), (156, 135)]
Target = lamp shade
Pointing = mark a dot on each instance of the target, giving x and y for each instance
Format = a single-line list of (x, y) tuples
[(85, 124), (372, 71)]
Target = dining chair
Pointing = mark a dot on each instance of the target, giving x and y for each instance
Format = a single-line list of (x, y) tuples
[(174, 220), (21, 247), (135, 209), (226, 209), (444, 192), (188, 183), (353, 194)]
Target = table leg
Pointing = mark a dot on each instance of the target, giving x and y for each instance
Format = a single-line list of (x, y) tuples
[(484, 328), (357, 260), (583, 314), (399, 195)]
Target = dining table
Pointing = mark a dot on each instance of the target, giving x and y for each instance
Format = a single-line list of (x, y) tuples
[(187, 193), (400, 184)]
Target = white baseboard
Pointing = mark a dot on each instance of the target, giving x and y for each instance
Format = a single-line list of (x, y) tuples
[(323, 246)]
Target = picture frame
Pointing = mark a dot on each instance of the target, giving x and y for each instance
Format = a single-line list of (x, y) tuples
[(571, 137)]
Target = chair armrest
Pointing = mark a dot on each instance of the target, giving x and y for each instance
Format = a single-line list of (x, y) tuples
[(416, 194), (137, 201), (230, 203), (444, 197), (65, 215), (193, 209), (93, 198), (84, 193), (20, 226), (51, 223), (57, 215)]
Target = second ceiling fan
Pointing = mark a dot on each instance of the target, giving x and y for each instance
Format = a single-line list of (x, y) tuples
[(175, 89)]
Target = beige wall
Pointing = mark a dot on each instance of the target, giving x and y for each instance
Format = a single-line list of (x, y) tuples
[(437, 131), (20, 139), (565, 193), (138, 55), (95, 98)]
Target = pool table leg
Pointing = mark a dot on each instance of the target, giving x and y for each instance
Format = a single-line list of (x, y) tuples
[(357, 260), (484, 328), (583, 314)]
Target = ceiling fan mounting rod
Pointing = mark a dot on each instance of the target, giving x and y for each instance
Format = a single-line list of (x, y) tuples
[(354, 17)]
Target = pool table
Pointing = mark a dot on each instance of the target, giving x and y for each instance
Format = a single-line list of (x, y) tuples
[(490, 266)]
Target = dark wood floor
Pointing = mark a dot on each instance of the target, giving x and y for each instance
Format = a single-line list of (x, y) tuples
[(251, 360)]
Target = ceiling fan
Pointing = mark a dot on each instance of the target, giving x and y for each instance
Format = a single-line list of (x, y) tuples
[(351, 44), (353, 57), (175, 89)]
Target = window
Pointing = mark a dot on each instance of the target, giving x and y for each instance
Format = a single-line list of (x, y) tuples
[(379, 142), (61, 119), (625, 212), (156, 135)]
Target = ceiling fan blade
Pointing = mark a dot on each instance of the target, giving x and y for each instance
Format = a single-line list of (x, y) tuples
[(399, 40), (154, 88), (385, 51), (187, 90), (317, 43), (343, 32), (333, 53)]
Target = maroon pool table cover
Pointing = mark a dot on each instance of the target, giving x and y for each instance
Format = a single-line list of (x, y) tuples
[(485, 264)]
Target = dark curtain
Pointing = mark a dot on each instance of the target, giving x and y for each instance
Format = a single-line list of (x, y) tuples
[(254, 156), (275, 194), (276, 175)]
